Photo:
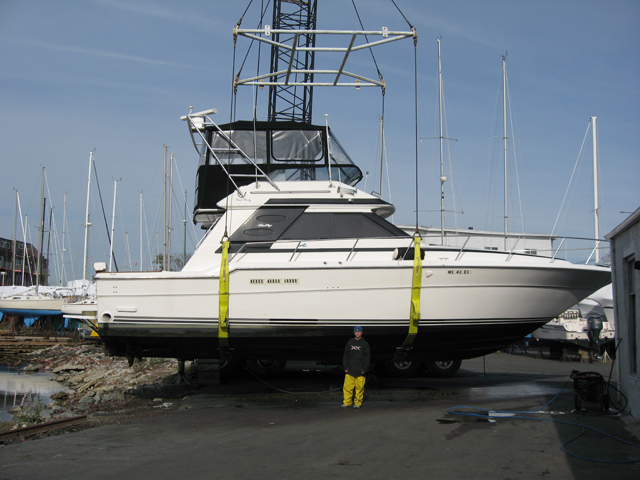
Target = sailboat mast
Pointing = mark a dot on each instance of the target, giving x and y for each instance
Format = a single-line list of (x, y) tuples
[(164, 209), (15, 243), (442, 177), (64, 223), (140, 231), (595, 186), (113, 223), (504, 138), (170, 224), (41, 239), (86, 223)]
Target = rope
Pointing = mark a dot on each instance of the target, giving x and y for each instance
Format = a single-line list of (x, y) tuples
[(367, 39), (405, 18)]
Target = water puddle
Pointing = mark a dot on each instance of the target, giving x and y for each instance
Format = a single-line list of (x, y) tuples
[(516, 390), (20, 389)]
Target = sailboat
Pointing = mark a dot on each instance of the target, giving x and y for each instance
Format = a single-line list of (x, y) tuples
[(37, 301), (589, 324), (84, 307)]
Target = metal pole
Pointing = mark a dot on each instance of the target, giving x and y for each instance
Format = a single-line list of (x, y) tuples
[(442, 177), (15, 243), (64, 222), (41, 239), (164, 209), (87, 224), (140, 231), (113, 222), (504, 136), (169, 229), (595, 185)]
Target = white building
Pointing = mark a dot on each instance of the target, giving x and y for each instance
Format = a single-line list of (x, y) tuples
[(625, 265)]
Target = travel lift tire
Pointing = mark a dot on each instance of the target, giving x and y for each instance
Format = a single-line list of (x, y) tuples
[(401, 369), (443, 368), (266, 368)]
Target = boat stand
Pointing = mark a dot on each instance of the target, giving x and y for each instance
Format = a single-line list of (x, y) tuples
[(565, 357), (182, 379)]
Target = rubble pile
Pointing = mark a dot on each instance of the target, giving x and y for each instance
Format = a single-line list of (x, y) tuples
[(96, 384)]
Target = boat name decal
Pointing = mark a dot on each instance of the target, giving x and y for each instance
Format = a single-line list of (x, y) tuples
[(458, 272), (274, 281)]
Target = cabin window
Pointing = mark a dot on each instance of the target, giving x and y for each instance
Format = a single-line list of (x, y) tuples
[(266, 224), (253, 144), (296, 145), (340, 225)]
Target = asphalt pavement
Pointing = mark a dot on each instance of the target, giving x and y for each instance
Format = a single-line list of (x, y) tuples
[(293, 427)]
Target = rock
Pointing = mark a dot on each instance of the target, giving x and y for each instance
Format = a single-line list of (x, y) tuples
[(116, 396), (46, 414), (59, 396), (32, 368), (68, 367), (33, 409), (87, 400)]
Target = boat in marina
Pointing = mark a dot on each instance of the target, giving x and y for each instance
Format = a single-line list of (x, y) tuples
[(310, 256), (295, 256), (574, 327)]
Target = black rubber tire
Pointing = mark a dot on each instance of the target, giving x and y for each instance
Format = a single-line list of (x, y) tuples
[(443, 368), (402, 369), (266, 368), (228, 367)]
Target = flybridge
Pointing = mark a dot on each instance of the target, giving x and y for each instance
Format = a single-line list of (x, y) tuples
[(239, 153)]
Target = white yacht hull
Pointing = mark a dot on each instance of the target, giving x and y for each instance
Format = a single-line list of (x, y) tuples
[(306, 309)]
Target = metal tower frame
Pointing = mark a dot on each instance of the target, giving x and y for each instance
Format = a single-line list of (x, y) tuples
[(286, 101)]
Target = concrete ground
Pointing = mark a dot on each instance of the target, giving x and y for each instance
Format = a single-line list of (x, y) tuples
[(293, 427)]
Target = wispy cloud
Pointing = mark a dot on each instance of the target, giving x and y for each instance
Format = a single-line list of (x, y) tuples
[(149, 9), (103, 53)]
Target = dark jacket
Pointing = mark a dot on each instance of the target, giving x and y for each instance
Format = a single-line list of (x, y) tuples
[(356, 357)]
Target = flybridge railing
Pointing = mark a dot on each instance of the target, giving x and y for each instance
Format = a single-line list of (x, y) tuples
[(262, 35), (198, 123), (572, 249)]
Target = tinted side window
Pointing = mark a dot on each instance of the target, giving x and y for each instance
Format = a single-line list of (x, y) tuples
[(266, 224), (311, 226)]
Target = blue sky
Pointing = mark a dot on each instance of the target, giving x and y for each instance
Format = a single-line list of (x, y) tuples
[(116, 75)]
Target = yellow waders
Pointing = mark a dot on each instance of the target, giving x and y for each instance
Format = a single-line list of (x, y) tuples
[(351, 382)]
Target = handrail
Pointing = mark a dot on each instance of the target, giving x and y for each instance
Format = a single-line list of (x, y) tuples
[(551, 256), (233, 147)]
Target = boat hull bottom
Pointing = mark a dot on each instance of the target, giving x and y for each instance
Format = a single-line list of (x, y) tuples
[(322, 344)]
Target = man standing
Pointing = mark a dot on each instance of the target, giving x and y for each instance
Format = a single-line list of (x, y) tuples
[(355, 362)]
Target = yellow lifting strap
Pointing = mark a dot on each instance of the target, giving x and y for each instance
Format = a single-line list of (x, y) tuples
[(223, 298), (416, 285)]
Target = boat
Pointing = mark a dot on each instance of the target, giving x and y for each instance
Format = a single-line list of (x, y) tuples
[(309, 259), (295, 255), (34, 305), (575, 326)]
